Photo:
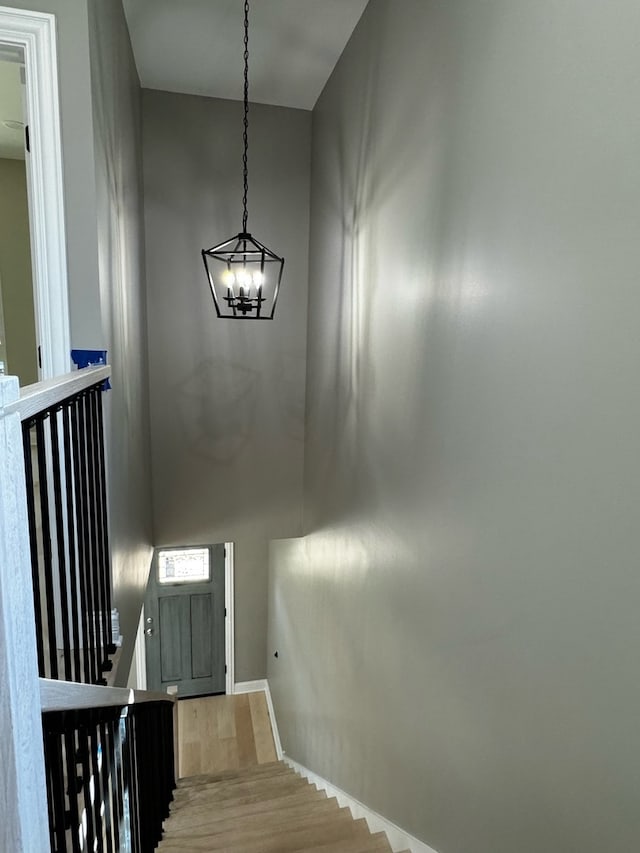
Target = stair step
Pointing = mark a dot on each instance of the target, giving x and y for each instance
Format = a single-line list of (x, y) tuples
[(376, 843), (249, 799), (204, 784), (320, 809), (253, 772), (239, 793), (203, 813), (283, 840)]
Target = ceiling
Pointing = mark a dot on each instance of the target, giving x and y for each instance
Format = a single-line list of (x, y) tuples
[(11, 141), (196, 46)]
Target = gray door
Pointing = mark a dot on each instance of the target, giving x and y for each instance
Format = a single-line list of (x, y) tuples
[(184, 621)]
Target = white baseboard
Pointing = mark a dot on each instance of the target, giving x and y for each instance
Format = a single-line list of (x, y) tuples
[(274, 724), (398, 838), (250, 686), (259, 686)]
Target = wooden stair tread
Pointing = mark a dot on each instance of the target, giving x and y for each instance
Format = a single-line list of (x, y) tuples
[(253, 772), (238, 793), (231, 783), (310, 810), (236, 802), (283, 841), (202, 813), (376, 843), (240, 828)]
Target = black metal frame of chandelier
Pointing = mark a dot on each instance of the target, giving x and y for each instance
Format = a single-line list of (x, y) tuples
[(218, 253)]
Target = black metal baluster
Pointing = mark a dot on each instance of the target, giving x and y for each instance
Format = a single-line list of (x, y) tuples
[(96, 574), (46, 545), (95, 776), (33, 539), (62, 557), (85, 456), (73, 788), (57, 806), (156, 740), (114, 777), (84, 747), (99, 555), (122, 779), (71, 538), (135, 787), (127, 779), (49, 758), (104, 520), (144, 761), (106, 787), (168, 738), (77, 420)]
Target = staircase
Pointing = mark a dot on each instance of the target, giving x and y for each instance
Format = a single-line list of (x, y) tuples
[(267, 808)]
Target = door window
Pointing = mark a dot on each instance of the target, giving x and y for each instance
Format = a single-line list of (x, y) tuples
[(183, 565)]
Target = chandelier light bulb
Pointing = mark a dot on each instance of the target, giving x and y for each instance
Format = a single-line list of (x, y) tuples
[(228, 278), (243, 277)]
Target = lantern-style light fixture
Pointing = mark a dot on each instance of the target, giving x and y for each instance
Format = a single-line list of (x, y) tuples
[(243, 274)]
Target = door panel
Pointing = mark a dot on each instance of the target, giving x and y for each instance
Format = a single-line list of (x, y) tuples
[(185, 629), (201, 636), (169, 616)]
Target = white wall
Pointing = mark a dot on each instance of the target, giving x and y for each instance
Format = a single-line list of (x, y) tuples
[(227, 397), (458, 631)]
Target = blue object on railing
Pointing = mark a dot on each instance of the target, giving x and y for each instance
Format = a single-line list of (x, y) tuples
[(90, 358)]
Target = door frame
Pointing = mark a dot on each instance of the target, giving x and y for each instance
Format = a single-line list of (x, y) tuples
[(229, 641), (140, 657), (35, 34)]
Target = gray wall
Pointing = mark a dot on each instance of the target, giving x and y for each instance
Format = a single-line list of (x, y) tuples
[(99, 103), (227, 398), (16, 283), (120, 227), (458, 631)]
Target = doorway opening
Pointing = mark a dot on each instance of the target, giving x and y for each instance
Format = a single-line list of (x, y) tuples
[(18, 334), (187, 621), (28, 49)]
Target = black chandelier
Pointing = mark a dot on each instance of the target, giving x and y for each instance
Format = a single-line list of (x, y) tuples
[(244, 275)]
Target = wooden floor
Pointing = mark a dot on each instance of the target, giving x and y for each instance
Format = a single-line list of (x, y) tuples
[(219, 733)]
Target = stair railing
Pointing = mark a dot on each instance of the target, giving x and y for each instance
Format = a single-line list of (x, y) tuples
[(67, 751), (66, 488), (110, 766)]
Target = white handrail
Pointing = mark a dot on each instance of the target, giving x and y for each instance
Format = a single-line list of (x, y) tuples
[(69, 696), (44, 395), (23, 790)]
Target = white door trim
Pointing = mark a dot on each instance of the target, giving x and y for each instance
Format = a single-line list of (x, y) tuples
[(229, 642), (35, 33)]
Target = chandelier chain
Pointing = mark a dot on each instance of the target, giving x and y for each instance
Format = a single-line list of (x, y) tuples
[(245, 135)]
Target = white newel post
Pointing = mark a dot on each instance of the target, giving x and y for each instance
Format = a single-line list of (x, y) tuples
[(23, 798)]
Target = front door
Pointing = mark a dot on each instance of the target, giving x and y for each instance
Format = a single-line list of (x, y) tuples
[(184, 621)]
